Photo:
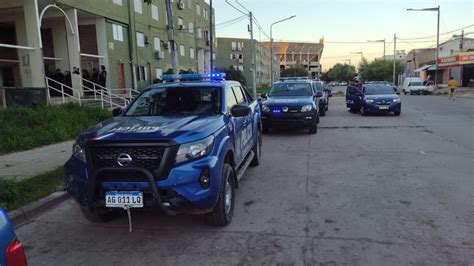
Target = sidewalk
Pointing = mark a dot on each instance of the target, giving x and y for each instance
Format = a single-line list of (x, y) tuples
[(23, 165), (461, 92)]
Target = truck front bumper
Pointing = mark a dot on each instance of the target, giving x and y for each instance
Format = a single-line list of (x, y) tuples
[(180, 192)]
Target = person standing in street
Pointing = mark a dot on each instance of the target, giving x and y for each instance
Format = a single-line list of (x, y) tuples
[(452, 84)]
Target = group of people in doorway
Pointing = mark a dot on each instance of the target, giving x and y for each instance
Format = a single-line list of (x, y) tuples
[(96, 77)]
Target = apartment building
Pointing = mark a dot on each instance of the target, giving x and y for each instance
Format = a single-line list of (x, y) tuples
[(237, 53), (127, 38)]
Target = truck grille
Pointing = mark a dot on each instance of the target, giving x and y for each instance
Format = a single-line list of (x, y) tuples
[(142, 156)]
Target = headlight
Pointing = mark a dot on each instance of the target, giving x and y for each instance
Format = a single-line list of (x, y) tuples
[(307, 108), (396, 100), (79, 152), (265, 109), (369, 101), (194, 150)]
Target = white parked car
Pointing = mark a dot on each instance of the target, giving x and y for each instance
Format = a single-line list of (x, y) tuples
[(416, 86)]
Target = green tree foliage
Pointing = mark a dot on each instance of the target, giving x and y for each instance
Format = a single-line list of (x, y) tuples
[(379, 70), (341, 72), (233, 74), (295, 71)]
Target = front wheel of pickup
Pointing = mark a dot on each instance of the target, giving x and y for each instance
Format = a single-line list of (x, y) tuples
[(222, 213), (97, 215)]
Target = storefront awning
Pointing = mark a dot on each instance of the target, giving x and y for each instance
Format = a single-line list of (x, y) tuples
[(431, 68), (423, 68)]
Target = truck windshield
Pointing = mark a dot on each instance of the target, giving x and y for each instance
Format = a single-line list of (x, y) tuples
[(176, 101), (417, 83), (378, 89), (290, 89)]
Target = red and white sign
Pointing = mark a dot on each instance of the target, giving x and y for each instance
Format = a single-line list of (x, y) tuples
[(459, 59)]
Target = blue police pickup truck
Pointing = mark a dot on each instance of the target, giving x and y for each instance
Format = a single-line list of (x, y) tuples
[(181, 146), (292, 102)]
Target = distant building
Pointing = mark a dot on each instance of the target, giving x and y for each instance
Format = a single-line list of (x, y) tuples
[(418, 60), (237, 53), (400, 55), (456, 59), (299, 53)]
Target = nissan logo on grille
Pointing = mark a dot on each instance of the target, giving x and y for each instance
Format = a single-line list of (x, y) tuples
[(124, 159)]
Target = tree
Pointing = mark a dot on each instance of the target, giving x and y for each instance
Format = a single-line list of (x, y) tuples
[(379, 70), (295, 71), (234, 74), (341, 72)]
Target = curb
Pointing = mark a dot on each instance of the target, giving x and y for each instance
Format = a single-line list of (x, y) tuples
[(34, 209)]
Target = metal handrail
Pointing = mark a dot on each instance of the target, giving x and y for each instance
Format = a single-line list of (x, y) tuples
[(106, 96), (63, 93)]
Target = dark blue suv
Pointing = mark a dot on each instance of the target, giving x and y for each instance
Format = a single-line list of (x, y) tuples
[(181, 147), (291, 103)]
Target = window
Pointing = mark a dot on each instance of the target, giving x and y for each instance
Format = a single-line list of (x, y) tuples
[(230, 99), (138, 6), (159, 73), (140, 39), (182, 52), (180, 22), (191, 52), (240, 68), (154, 12), (198, 10), (199, 32), (191, 27), (117, 2), (239, 94), (234, 46), (142, 73), (190, 4), (117, 32), (156, 43)]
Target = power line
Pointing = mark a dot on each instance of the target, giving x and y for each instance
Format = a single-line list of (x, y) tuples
[(227, 1), (432, 36)]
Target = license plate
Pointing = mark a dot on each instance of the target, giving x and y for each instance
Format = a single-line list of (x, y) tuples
[(122, 199), (383, 107)]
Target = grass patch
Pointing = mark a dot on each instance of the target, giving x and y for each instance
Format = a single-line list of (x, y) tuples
[(24, 128), (16, 194)]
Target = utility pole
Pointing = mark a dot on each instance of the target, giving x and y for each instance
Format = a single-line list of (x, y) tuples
[(394, 56), (383, 49), (437, 51), (174, 55), (254, 58), (211, 38)]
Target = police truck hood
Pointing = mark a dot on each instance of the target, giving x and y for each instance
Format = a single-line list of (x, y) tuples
[(288, 100), (180, 129)]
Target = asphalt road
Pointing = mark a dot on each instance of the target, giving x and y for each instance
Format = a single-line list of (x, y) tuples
[(377, 190)]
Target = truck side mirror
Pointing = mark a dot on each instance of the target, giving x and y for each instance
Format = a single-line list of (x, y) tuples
[(240, 110)]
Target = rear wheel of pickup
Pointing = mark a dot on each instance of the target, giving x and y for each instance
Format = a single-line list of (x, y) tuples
[(97, 215), (222, 213), (257, 149)]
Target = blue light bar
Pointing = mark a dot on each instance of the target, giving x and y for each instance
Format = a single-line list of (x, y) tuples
[(211, 76)]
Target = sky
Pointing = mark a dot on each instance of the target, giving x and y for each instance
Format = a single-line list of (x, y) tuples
[(349, 21)]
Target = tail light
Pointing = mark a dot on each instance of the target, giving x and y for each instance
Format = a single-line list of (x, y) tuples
[(15, 255)]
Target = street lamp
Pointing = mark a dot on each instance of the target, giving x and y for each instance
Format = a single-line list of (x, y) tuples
[(437, 9), (271, 45), (383, 45)]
